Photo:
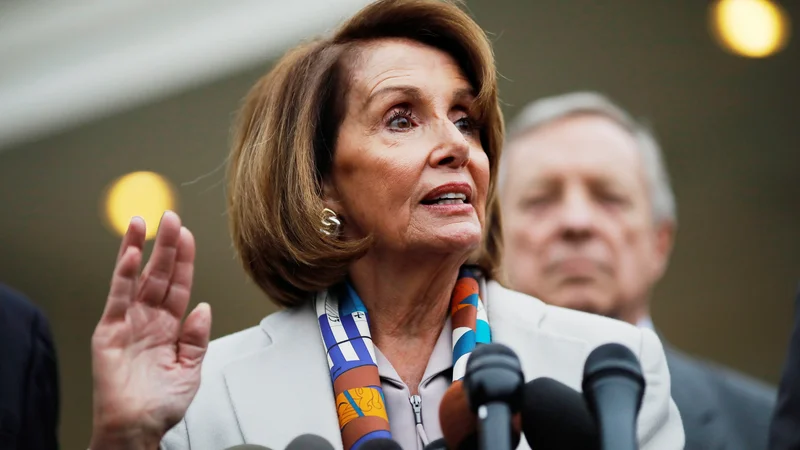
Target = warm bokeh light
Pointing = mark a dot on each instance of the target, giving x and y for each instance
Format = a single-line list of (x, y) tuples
[(752, 28), (143, 194)]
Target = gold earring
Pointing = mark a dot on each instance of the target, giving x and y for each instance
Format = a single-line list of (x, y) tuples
[(330, 223)]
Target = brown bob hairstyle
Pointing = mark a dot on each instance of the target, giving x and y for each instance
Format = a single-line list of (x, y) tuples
[(286, 132)]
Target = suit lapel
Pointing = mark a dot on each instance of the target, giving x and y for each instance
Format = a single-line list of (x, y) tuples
[(696, 403), (285, 390)]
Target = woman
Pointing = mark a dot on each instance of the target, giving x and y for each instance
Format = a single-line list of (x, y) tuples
[(362, 199)]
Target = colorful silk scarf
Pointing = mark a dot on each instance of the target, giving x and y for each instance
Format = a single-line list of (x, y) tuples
[(344, 325)]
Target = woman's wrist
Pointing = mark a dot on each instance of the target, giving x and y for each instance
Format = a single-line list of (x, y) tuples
[(106, 439)]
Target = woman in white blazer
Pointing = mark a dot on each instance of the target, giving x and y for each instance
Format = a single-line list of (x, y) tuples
[(362, 199)]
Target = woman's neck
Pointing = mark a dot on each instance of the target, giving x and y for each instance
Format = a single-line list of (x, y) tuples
[(408, 301)]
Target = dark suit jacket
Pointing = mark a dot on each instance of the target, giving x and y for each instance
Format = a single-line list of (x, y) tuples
[(785, 428), (721, 409), (28, 376)]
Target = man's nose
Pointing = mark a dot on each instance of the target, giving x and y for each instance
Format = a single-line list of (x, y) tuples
[(577, 215)]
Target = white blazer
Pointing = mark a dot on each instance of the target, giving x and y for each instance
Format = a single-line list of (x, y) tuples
[(269, 384)]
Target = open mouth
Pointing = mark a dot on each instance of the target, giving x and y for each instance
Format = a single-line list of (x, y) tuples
[(450, 198), (449, 194)]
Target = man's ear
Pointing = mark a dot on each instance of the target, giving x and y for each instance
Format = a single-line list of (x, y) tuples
[(664, 242)]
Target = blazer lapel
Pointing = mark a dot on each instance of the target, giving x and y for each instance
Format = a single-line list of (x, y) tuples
[(285, 390)]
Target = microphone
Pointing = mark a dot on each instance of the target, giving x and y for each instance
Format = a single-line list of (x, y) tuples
[(613, 386), (247, 447), (380, 444), (308, 442), (555, 416), (460, 424), (438, 444), (493, 383)]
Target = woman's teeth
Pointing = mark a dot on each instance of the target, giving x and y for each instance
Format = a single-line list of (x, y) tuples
[(451, 198), (449, 201)]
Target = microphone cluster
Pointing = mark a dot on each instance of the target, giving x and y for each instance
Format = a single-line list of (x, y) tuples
[(493, 404), (492, 407), (314, 442)]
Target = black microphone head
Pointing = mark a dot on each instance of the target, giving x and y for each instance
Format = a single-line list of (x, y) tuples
[(380, 444), (309, 442), (247, 447), (612, 358), (612, 361), (493, 373), (438, 444), (555, 416)]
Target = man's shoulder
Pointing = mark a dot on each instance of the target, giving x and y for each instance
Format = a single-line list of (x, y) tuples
[(22, 323), (734, 389), (14, 304)]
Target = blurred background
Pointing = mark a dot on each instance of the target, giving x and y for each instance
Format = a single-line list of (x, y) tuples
[(109, 109)]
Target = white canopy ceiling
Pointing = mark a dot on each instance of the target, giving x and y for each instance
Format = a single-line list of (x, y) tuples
[(67, 63)]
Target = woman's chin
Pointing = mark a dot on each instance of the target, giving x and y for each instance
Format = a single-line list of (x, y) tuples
[(462, 237)]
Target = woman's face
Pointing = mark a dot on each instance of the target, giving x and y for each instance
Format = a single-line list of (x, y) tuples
[(408, 166)]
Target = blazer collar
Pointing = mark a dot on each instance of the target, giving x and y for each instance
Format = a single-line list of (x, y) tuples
[(284, 390), (516, 320)]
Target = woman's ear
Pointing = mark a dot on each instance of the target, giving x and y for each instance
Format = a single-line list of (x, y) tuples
[(330, 196)]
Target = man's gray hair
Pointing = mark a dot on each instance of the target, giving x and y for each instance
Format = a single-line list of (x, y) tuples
[(551, 109)]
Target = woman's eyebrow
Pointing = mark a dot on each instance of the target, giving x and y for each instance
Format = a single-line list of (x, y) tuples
[(463, 95), (410, 91)]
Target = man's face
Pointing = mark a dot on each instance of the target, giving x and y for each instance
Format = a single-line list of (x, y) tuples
[(579, 230)]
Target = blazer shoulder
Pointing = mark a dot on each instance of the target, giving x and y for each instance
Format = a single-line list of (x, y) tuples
[(232, 347), (593, 329), (210, 420), (660, 425)]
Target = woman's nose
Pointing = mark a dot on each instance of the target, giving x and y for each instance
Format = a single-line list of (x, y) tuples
[(452, 148)]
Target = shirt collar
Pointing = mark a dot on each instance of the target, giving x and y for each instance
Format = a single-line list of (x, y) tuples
[(441, 359)]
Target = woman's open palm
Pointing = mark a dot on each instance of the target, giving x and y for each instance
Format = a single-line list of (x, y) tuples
[(145, 361)]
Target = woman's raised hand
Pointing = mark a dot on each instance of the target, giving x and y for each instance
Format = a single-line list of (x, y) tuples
[(145, 362)]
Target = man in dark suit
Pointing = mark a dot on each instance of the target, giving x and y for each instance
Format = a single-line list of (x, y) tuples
[(784, 433), (29, 394), (589, 219)]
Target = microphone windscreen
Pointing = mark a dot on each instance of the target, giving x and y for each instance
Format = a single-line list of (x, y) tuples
[(247, 447), (555, 416), (459, 424), (612, 357), (438, 444), (380, 444), (309, 442)]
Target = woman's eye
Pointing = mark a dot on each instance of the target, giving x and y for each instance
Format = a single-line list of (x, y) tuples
[(400, 123), (465, 124)]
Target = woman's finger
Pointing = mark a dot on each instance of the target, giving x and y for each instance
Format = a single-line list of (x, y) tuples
[(157, 274), (195, 334), (123, 285), (180, 287), (134, 236)]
